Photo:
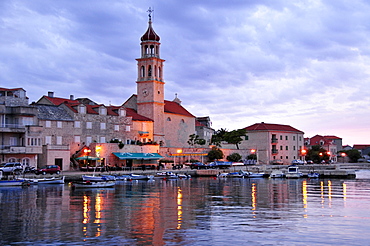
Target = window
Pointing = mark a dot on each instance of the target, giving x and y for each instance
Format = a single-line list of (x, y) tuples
[(102, 140), (168, 119), (48, 123), (77, 139), (88, 141), (59, 140), (82, 109), (246, 137), (59, 124), (47, 139), (286, 137), (77, 124), (286, 147), (103, 111), (128, 128), (88, 125), (294, 149), (102, 126), (300, 138), (122, 112), (281, 147), (293, 138), (116, 128), (281, 137), (26, 161), (12, 159), (286, 157), (13, 141)]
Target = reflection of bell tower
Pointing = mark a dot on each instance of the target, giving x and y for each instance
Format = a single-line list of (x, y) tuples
[(150, 83)]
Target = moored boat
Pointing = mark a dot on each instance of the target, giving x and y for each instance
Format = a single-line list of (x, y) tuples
[(98, 178), (293, 172), (277, 174), (53, 180), (133, 176), (14, 182), (93, 184), (313, 175), (166, 175)]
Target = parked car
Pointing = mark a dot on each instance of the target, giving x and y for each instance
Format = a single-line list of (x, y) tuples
[(277, 162), (198, 165), (310, 162), (298, 162), (51, 169), (220, 164), (12, 167)]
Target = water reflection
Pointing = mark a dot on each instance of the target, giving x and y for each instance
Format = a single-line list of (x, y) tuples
[(177, 212)]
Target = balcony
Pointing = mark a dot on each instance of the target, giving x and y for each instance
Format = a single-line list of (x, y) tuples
[(12, 128), (274, 140), (274, 151)]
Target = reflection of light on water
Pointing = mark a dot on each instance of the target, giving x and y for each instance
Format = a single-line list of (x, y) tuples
[(304, 191), (98, 209), (329, 192), (179, 208), (86, 209), (322, 193), (254, 196), (344, 191)]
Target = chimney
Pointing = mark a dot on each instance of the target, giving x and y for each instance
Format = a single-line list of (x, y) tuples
[(50, 94), (71, 97)]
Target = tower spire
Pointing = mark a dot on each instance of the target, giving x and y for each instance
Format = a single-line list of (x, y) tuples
[(150, 11)]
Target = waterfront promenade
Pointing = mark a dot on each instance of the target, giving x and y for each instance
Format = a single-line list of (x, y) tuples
[(337, 170)]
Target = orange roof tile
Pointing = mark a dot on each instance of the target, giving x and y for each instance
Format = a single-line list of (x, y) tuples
[(271, 127)]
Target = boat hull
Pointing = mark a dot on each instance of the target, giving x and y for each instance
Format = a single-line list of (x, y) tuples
[(4, 183), (92, 184)]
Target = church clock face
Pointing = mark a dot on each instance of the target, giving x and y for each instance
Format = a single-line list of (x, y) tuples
[(145, 92)]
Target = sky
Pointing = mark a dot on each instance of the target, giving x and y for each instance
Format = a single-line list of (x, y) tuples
[(300, 63)]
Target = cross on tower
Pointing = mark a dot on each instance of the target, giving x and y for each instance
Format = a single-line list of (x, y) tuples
[(150, 11)]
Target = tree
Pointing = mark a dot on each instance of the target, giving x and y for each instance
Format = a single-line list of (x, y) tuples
[(317, 154), (194, 139), (215, 154), (353, 154), (218, 137), (235, 157), (235, 137)]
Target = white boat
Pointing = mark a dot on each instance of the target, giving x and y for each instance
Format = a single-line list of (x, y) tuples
[(277, 174), (93, 184), (98, 178), (53, 180), (166, 175), (255, 175), (293, 172), (140, 176), (15, 182)]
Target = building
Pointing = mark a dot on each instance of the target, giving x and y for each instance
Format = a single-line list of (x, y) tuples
[(271, 142), (331, 144), (20, 134)]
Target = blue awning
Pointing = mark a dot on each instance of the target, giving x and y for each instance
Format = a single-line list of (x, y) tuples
[(138, 156)]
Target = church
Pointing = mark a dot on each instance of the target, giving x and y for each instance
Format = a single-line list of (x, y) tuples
[(145, 123)]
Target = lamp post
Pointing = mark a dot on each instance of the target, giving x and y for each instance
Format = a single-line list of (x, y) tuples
[(343, 155), (303, 153), (254, 151)]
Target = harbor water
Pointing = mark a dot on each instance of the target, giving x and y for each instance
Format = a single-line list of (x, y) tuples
[(197, 211)]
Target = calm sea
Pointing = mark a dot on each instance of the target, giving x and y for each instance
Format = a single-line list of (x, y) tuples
[(199, 211)]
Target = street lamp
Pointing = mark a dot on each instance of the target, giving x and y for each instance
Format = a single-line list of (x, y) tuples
[(343, 155), (303, 153), (254, 151)]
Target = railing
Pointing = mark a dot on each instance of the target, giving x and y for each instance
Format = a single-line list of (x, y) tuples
[(274, 140), (274, 151), (11, 126)]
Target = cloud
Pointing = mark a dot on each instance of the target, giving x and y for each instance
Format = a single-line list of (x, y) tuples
[(302, 63)]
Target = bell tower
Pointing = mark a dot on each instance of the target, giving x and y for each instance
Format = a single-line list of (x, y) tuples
[(150, 83)]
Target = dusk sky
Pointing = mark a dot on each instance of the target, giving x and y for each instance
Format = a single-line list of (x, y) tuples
[(300, 63)]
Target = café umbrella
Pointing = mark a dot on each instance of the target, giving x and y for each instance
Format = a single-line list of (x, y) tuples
[(87, 158)]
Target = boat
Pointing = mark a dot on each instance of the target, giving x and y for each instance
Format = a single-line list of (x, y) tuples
[(255, 175), (133, 176), (98, 178), (93, 184), (293, 172), (14, 182), (166, 175), (312, 175), (53, 180), (184, 176), (277, 174)]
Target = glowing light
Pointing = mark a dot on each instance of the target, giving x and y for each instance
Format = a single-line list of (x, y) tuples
[(179, 151), (254, 196), (179, 208), (253, 151)]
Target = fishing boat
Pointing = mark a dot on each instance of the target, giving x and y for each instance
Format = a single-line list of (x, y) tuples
[(93, 184), (293, 172), (53, 180), (277, 174), (166, 175), (98, 178), (14, 182), (133, 176), (255, 175), (312, 175)]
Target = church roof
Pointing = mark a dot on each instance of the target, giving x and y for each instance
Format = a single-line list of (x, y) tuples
[(175, 108), (271, 127), (150, 34)]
